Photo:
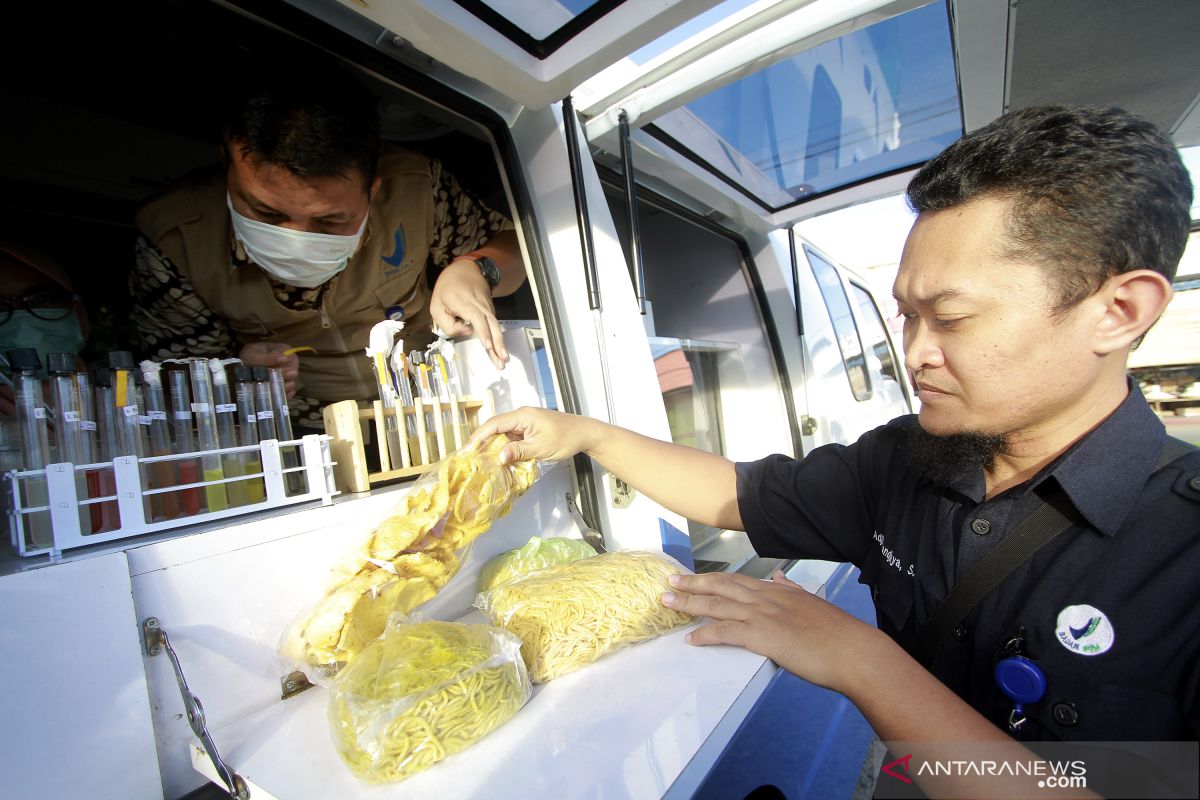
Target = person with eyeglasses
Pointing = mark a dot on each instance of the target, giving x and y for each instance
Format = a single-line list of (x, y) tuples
[(38, 307)]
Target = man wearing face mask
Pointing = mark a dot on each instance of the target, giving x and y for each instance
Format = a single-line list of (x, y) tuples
[(308, 234), (38, 308)]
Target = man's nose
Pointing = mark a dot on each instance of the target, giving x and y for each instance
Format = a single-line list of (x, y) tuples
[(921, 350)]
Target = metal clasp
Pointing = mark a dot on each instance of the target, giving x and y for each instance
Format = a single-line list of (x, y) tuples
[(156, 641)]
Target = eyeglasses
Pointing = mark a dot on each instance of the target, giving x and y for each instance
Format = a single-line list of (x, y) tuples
[(48, 306)]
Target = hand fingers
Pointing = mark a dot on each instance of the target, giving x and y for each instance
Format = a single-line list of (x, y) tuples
[(707, 605), (451, 324), (778, 577), (730, 585), (487, 328), (723, 631)]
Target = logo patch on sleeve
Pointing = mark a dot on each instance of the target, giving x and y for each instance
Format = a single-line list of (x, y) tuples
[(1085, 630)]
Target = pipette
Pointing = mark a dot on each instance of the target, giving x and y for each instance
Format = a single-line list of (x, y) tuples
[(35, 441), (379, 346), (206, 429)]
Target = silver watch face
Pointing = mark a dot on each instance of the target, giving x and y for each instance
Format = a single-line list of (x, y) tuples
[(491, 272)]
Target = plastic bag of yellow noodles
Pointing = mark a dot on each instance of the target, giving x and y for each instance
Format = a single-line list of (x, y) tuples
[(568, 616), (537, 553), (409, 556), (421, 692)]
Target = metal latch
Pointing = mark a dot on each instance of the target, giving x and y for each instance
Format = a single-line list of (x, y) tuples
[(156, 641), (622, 492), (808, 425), (590, 534)]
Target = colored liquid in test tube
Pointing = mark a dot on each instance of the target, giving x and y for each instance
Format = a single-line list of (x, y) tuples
[(181, 424), (33, 422), (163, 473), (248, 427), (67, 433), (107, 444), (89, 450), (293, 481), (206, 429), (226, 412)]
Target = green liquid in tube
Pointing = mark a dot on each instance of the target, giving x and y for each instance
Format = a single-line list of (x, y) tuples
[(255, 490)]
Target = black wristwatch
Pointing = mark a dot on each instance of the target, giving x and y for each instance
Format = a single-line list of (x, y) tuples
[(489, 270)]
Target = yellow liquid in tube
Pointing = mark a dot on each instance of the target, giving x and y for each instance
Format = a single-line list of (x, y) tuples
[(215, 495), (255, 490), (235, 490)]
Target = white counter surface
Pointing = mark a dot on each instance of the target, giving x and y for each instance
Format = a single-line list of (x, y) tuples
[(645, 721)]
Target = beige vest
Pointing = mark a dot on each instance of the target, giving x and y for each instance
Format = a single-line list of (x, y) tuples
[(191, 226)]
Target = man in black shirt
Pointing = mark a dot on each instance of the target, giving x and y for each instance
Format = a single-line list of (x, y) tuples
[(1043, 250)]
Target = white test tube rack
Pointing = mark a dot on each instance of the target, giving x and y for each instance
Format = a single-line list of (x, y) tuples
[(64, 503)]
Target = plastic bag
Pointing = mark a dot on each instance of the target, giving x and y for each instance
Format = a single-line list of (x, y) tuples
[(421, 692), (409, 556), (537, 553), (568, 616)]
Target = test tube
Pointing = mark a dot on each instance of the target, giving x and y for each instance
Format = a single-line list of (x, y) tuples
[(294, 482), (226, 412), (248, 424), (181, 423), (206, 429), (262, 402), (166, 504), (107, 444), (88, 448), (35, 442), (125, 392), (68, 436)]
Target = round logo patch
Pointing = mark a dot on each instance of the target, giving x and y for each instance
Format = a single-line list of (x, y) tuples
[(1084, 630)]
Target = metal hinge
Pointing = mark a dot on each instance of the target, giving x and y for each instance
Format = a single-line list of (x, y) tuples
[(155, 639), (622, 492)]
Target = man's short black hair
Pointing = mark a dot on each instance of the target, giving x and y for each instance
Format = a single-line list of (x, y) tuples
[(1093, 192), (307, 113)]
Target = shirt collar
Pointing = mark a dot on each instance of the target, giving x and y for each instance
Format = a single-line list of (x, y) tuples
[(1104, 472)]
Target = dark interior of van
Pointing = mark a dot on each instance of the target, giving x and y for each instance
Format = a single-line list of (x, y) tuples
[(106, 104)]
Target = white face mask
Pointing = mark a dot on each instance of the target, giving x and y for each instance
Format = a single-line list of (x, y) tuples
[(297, 258)]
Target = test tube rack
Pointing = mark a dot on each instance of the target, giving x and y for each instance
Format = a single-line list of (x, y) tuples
[(344, 422), (60, 482)]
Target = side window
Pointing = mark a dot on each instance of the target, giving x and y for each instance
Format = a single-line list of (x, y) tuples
[(875, 333), (844, 326)]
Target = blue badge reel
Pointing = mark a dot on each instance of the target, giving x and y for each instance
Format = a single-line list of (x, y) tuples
[(1022, 682)]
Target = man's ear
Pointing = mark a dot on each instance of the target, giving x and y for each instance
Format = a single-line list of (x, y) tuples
[(1132, 302)]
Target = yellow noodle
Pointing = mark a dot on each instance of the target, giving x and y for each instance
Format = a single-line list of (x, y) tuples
[(568, 616), (422, 692)]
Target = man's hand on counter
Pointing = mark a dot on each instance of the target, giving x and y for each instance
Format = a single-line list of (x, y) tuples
[(806, 635), (271, 354)]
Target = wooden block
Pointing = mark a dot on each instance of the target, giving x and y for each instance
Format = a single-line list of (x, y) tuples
[(346, 446)]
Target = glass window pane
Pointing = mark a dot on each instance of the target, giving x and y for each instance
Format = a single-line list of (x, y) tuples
[(868, 103), (876, 336), (844, 325), (539, 18)]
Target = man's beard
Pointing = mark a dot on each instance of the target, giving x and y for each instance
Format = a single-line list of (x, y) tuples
[(944, 458)]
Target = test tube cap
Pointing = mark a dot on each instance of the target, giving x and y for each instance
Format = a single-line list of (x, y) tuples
[(242, 372), (24, 358), (261, 374), (60, 363), (121, 359), (101, 376)]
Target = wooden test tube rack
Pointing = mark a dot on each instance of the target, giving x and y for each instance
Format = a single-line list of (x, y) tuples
[(344, 424)]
